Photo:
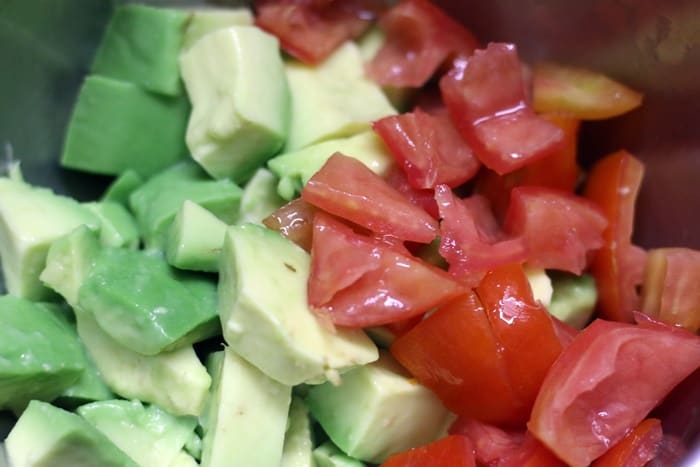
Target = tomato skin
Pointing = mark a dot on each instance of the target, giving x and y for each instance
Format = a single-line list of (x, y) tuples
[(428, 148), (606, 382), (294, 221), (451, 451), (638, 447), (485, 97), (346, 188), (613, 184)]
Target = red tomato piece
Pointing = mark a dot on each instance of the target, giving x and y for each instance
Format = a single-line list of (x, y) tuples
[(467, 243), (311, 30), (359, 281), (294, 221), (638, 447), (559, 228), (670, 290), (346, 188), (419, 38), (424, 199), (428, 148), (485, 96), (451, 451), (606, 382), (613, 184), (582, 93)]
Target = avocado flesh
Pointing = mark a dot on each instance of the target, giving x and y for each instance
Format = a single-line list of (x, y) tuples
[(328, 455), (121, 187), (573, 299), (298, 442), (260, 198), (206, 20), (118, 227)]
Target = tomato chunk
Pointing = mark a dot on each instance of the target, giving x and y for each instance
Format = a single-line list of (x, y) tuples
[(359, 281), (606, 382), (425, 199), (345, 187), (294, 221), (428, 148), (451, 451), (559, 228), (485, 96), (638, 447), (419, 38)]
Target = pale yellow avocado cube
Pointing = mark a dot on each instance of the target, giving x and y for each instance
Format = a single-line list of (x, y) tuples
[(203, 21)]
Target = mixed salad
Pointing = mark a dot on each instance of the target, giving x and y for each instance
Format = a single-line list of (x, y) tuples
[(340, 233)]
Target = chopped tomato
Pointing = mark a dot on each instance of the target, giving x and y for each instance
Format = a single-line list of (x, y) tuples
[(294, 221), (359, 281), (559, 228), (485, 96), (606, 382), (670, 291), (531, 453), (428, 148), (345, 187), (311, 30), (425, 199), (419, 38), (467, 240), (582, 93), (638, 447), (613, 184), (451, 451)]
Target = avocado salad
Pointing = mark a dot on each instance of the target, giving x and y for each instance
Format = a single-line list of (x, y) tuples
[(165, 324)]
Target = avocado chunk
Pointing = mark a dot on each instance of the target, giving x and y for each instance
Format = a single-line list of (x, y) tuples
[(31, 218), (573, 299), (298, 443), (247, 415), (333, 99), (265, 315), (121, 187), (106, 131), (184, 460), (148, 434), (260, 198), (540, 284), (118, 227), (40, 356), (295, 168), (195, 239), (141, 45), (373, 413), (328, 455), (240, 101), (156, 203), (206, 20), (46, 436), (145, 305)]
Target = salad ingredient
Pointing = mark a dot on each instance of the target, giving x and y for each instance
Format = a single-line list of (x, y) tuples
[(328, 455), (541, 285), (294, 221), (46, 436), (573, 299), (451, 451), (231, 130), (371, 414), (298, 441), (243, 397), (117, 226), (260, 198), (203, 21), (262, 304), (122, 186), (638, 447)]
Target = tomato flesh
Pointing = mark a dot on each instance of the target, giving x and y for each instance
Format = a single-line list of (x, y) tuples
[(294, 221), (638, 447), (451, 451)]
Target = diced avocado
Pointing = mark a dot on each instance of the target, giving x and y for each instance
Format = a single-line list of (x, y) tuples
[(573, 299), (40, 356), (206, 20), (260, 198), (295, 168), (46, 436), (195, 239), (328, 455), (122, 187), (31, 218), (377, 411), (541, 285), (247, 416), (106, 130), (3, 458), (184, 460), (298, 443), (156, 203), (333, 99), (265, 315), (193, 446), (149, 435), (141, 45), (117, 226), (240, 101)]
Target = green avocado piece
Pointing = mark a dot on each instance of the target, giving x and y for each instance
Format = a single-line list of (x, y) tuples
[(295, 168), (118, 227), (121, 187), (206, 20), (141, 45), (573, 299), (247, 415), (31, 218), (106, 131), (46, 436), (156, 203), (328, 455), (298, 442), (240, 101), (333, 99), (265, 315), (40, 355), (193, 446), (260, 198), (373, 413), (183, 459), (148, 434)]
